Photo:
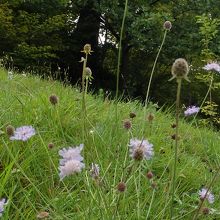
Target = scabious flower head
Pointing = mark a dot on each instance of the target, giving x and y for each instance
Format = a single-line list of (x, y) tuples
[(94, 171), (127, 124), (121, 187), (10, 130), (2, 204), (191, 110), (212, 66), (141, 149), (53, 99), (23, 133), (206, 195), (167, 25), (180, 69), (71, 153), (71, 161), (70, 167)]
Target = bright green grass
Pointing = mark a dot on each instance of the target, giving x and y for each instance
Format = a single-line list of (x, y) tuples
[(29, 175)]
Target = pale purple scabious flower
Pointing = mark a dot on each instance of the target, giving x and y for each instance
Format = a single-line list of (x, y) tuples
[(71, 161), (206, 195), (141, 149), (23, 133), (94, 171), (191, 110), (2, 204), (212, 66)]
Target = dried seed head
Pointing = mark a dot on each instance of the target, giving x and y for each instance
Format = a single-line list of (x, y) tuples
[(53, 99), (132, 115), (173, 136), (50, 145), (205, 210), (121, 187), (10, 130), (173, 126), (138, 154), (42, 215), (88, 72), (167, 25), (127, 124), (149, 175), (180, 69), (87, 49), (150, 117)]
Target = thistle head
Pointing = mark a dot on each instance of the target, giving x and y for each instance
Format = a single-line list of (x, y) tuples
[(180, 69), (167, 25)]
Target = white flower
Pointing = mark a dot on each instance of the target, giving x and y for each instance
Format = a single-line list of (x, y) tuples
[(23, 133), (71, 154), (206, 195), (191, 110), (70, 167), (71, 161), (212, 66), (2, 204), (141, 149), (94, 170)]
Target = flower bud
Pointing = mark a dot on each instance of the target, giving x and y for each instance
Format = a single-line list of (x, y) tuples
[(53, 99), (10, 130), (121, 187)]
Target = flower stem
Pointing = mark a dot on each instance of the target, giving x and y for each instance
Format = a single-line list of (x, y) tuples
[(151, 202), (179, 81)]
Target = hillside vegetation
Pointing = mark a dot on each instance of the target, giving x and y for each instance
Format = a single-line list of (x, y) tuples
[(29, 174)]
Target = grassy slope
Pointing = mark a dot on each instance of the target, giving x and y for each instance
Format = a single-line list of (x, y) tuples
[(29, 174)]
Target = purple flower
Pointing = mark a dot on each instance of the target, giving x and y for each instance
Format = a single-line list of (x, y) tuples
[(23, 133), (212, 66), (206, 195), (71, 161), (191, 110), (141, 149), (2, 204)]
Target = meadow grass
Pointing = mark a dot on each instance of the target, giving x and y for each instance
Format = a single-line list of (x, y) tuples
[(29, 175)]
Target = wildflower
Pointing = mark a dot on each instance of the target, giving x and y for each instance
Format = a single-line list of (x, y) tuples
[(70, 167), (121, 187), (53, 99), (167, 25), (180, 69), (212, 66), (23, 133), (42, 215), (10, 130), (191, 110), (71, 161), (72, 153), (87, 49), (94, 171), (205, 194), (50, 145), (132, 115), (2, 204), (141, 149), (127, 124), (149, 175)]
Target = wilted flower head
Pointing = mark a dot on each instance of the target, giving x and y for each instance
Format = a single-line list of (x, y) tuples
[(180, 69), (127, 124), (2, 204), (94, 171), (167, 25), (10, 130), (205, 194), (141, 149), (53, 99), (212, 66), (87, 49), (71, 161), (191, 110), (23, 133)]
